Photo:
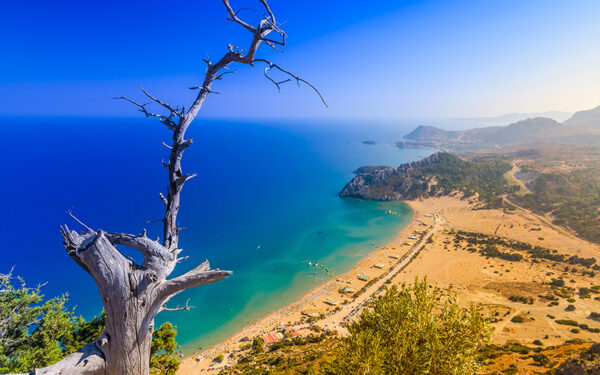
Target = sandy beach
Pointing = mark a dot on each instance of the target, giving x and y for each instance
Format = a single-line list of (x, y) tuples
[(369, 273), (425, 248)]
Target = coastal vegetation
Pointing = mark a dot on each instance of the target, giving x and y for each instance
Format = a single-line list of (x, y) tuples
[(294, 355), (573, 199), (416, 329), (35, 332), (484, 177), (516, 358), (163, 359), (488, 246), (413, 329)]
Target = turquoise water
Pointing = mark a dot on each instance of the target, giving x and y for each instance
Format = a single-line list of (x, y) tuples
[(338, 237), (263, 205)]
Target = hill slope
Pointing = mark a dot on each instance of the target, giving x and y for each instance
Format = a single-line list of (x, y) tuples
[(585, 120), (440, 173)]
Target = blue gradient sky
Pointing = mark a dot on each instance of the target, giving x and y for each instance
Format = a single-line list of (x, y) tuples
[(376, 59)]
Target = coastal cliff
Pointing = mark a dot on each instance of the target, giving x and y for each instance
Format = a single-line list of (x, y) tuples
[(385, 183), (439, 174)]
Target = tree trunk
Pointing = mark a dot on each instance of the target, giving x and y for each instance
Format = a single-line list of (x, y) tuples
[(128, 334), (132, 294), (128, 351)]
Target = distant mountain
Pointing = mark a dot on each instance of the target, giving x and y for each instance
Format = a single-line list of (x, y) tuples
[(533, 129), (582, 128), (463, 123), (516, 117), (431, 133), (589, 119)]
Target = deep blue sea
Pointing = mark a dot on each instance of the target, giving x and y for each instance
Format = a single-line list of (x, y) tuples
[(264, 203)]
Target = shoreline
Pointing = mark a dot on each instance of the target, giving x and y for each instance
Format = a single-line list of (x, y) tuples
[(374, 266), (428, 247)]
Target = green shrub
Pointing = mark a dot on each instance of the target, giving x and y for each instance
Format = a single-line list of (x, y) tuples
[(258, 345), (521, 299), (567, 322), (517, 348), (541, 359), (35, 333), (163, 358), (413, 330)]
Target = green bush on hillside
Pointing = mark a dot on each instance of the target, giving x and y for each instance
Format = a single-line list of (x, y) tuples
[(413, 330), (572, 198)]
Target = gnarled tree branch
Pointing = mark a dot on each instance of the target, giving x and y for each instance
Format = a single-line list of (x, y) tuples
[(132, 294), (178, 308), (200, 275)]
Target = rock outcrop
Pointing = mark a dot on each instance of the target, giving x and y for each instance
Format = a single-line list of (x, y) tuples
[(385, 183)]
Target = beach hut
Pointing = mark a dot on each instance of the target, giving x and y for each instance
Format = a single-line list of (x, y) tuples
[(379, 265), (271, 338), (330, 301), (392, 256), (345, 290), (363, 278)]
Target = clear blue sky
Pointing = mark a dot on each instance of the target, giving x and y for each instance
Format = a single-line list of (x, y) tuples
[(384, 59)]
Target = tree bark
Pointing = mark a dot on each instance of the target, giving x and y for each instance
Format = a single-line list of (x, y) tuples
[(132, 294)]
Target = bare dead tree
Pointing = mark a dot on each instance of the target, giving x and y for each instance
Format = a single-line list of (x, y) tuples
[(132, 294)]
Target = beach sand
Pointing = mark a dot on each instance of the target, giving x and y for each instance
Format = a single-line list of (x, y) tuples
[(488, 282)]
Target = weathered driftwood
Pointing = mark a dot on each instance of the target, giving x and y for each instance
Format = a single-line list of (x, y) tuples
[(132, 294)]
